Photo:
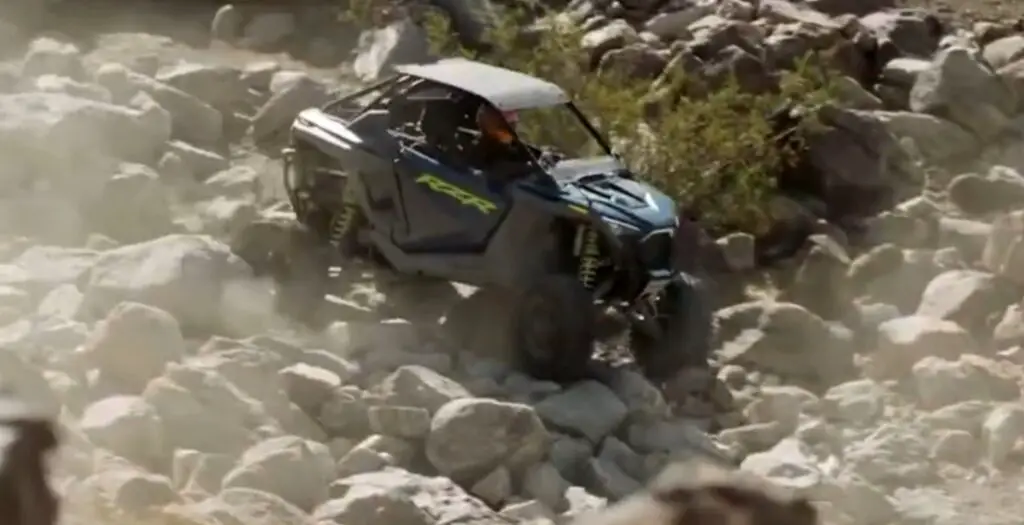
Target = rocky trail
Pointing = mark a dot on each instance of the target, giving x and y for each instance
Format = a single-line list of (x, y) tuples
[(882, 376)]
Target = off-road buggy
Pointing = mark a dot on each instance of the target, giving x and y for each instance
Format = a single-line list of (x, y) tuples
[(552, 236)]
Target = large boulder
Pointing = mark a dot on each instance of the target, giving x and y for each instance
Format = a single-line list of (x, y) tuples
[(182, 274), (71, 143), (959, 87), (290, 467), (471, 437)]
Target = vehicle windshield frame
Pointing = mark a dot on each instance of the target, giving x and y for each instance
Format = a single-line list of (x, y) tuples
[(593, 133)]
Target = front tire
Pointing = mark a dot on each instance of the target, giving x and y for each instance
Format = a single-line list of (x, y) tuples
[(297, 261), (553, 329), (686, 321), (418, 299)]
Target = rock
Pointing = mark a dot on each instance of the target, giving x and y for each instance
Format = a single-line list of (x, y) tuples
[(1001, 431), (367, 506), (967, 297), (200, 473), (999, 191), (906, 32), (28, 382), (421, 387), (309, 386), (472, 19), (200, 410), (470, 437), (824, 267), (789, 340), (134, 343), (681, 437), (199, 162), (47, 56), (1002, 253), (42, 268), (1012, 74), (676, 24), (783, 405), (904, 341), (860, 402), (545, 484), (398, 421), (346, 413), (588, 409), (219, 86), (184, 275), (933, 138), (362, 460), (738, 249), (113, 132), (437, 497), (381, 49), (227, 23), (894, 454), (237, 181), (129, 427), (126, 489), (955, 77), (955, 446), (864, 502), (252, 507), (940, 382), (74, 88), (789, 464), (858, 161), (194, 120), (494, 488), (965, 415), (1004, 51), (290, 467), (135, 191), (1009, 332), (608, 480)]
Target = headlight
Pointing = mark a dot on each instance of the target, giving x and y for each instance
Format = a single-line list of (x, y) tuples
[(620, 228)]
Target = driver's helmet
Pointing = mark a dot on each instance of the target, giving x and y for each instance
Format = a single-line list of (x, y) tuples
[(496, 125)]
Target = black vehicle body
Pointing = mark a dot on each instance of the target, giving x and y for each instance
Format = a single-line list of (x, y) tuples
[(358, 174)]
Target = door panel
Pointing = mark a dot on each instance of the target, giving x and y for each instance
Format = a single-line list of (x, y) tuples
[(447, 210)]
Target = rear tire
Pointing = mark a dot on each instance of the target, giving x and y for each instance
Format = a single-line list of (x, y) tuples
[(553, 329), (479, 323), (686, 319), (295, 258)]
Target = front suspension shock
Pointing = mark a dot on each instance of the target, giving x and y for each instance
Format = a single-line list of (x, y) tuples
[(589, 257), (344, 222)]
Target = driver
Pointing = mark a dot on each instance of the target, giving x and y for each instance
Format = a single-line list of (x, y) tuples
[(497, 126), (497, 146)]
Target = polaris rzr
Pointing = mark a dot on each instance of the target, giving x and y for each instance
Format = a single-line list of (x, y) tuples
[(435, 174)]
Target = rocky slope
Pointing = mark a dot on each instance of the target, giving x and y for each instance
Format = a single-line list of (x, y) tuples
[(881, 377)]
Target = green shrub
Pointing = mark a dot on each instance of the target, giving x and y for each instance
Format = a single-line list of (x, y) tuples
[(714, 152)]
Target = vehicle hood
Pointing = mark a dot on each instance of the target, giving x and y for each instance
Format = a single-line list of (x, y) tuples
[(600, 185)]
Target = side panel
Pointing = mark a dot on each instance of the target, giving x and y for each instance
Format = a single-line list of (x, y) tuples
[(448, 211), (520, 247)]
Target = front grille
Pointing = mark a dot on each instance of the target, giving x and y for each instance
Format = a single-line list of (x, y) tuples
[(656, 250)]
